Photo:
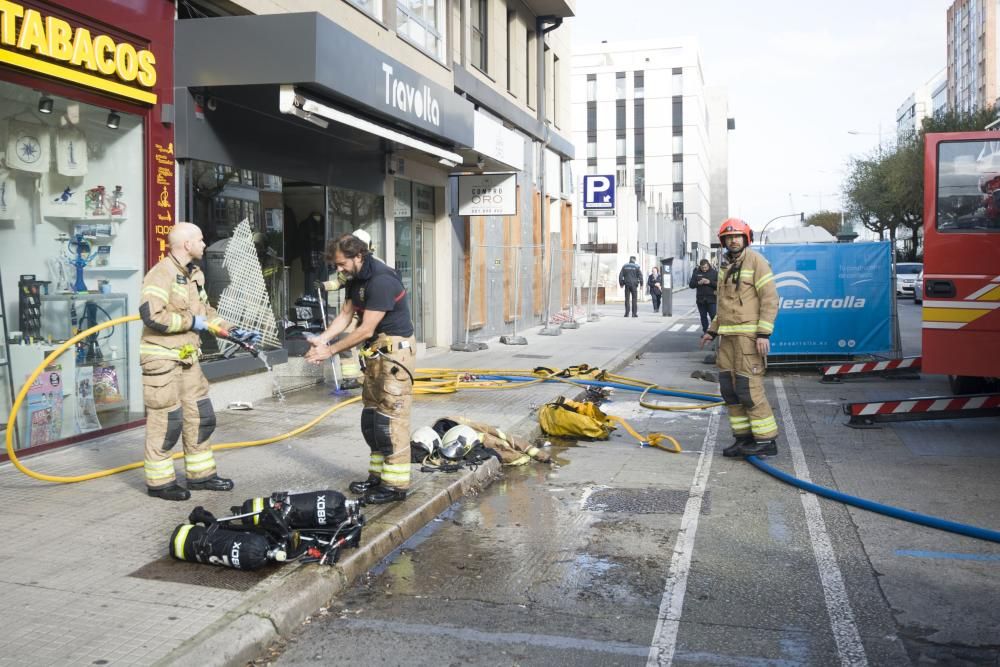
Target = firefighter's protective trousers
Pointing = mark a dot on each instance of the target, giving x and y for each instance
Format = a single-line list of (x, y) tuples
[(387, 396), (741, 381), (177, 408)]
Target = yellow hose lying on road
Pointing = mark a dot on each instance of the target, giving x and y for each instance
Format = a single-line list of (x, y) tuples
[(428, 381)]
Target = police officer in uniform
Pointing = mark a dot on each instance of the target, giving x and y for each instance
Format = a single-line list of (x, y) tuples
[(630, 277), (174, 308), (388, 347)]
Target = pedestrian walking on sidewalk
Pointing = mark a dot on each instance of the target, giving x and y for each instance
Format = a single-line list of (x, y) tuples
[(703, 281), (630, 277), (655, 288), (388, 348), (748, 304), (174, 308)]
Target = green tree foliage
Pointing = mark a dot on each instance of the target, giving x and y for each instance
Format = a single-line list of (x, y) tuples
[(885, 189), (828, 220)]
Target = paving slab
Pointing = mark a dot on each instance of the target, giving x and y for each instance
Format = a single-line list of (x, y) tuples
[(74, 567)]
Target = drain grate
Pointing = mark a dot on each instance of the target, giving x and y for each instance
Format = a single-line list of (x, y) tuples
[(643, 501), (196, 574), (533, 356)]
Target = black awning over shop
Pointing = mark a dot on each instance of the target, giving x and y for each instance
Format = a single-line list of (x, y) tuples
[(317, 56)]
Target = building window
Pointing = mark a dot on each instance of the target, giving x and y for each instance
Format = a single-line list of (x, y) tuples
[(592, 230), (678, 114), (591, 117), (480, 35), (678, 146), (511, 20), (621, 177), (591, 87), (555, 89), (371, 7), (678, 172), (620, 147), (419, 22), (592, 147), (530, 65), (677, 81), (640, 181), (620, 85)]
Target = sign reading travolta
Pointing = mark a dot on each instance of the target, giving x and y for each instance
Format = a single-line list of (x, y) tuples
[(487, 194)]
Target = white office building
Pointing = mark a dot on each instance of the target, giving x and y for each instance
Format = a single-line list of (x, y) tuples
[(928, 100), (641, 111)]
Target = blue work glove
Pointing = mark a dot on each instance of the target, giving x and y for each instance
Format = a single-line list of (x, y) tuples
[(245, 336), (199, 323)]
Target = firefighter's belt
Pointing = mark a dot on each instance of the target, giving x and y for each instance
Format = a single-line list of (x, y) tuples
[(186, 351), (385, 344)]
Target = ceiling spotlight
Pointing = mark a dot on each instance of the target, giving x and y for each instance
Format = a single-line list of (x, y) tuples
[(114, 120), (45, 104)]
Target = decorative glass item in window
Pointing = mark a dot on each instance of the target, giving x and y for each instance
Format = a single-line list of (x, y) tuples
[(117, 207), (96, 206)]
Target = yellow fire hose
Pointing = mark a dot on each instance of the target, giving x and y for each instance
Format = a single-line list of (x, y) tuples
[(428, 381)]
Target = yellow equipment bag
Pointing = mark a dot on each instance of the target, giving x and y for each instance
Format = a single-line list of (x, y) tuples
[(571, 419)]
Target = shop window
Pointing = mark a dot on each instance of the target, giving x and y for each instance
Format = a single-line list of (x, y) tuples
[(72, 223), (421, 23)]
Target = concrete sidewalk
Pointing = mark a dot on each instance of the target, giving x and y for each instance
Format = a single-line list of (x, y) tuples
[(84, 572)]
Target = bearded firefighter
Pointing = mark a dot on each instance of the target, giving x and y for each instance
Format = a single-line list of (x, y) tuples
[(747, 307), (385, 336), (174, 308)]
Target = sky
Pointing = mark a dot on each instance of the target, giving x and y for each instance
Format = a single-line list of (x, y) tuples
[(800, 75)]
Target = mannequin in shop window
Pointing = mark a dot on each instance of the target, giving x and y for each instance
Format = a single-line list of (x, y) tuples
[(312, 231)]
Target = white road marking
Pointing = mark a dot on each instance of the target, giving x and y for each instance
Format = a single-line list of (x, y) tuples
[(676, 327), (693, 328), (668, 620), (838, 606)]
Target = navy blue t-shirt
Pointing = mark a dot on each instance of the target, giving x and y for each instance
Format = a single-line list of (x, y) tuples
[(378, 287)]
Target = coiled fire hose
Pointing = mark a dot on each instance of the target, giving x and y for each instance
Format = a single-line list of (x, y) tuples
[(429, 381)]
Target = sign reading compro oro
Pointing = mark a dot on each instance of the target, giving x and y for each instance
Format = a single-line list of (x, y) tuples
[(489, 194), (52, 46)]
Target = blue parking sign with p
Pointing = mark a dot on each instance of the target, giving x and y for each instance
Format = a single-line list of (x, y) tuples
[(599, 192)]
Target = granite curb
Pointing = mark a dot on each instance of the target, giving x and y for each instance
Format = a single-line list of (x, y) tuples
[(284, 600)]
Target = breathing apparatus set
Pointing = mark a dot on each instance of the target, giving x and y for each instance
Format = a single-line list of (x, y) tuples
[(308, 527)]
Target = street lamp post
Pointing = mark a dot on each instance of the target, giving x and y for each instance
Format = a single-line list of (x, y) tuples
[(802, 218)]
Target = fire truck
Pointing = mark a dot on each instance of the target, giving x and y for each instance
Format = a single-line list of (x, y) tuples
[(961, 290)]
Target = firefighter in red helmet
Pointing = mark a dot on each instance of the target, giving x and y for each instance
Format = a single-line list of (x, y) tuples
[(747, 307)]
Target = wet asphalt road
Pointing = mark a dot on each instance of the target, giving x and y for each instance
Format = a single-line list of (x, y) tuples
[(621, 555)]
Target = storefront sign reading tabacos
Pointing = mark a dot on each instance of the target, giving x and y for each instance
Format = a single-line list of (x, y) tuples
[(50, 45)]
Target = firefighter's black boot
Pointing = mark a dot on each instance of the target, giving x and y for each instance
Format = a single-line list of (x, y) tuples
[(760, 448), (383, 494), (173, 492), (734, 449), (213, 483), (364, 486)]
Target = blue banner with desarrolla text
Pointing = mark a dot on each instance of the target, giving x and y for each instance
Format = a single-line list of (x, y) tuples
[(833, 298)]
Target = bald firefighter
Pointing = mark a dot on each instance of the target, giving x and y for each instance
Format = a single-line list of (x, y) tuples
[(174, 309), (747, 307), (385, 336)]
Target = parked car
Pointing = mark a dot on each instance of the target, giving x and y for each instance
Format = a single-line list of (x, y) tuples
[(918, 288), (906, 277)]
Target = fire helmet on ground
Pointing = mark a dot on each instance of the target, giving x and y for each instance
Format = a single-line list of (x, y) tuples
[(425, 440), (458, 441)]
